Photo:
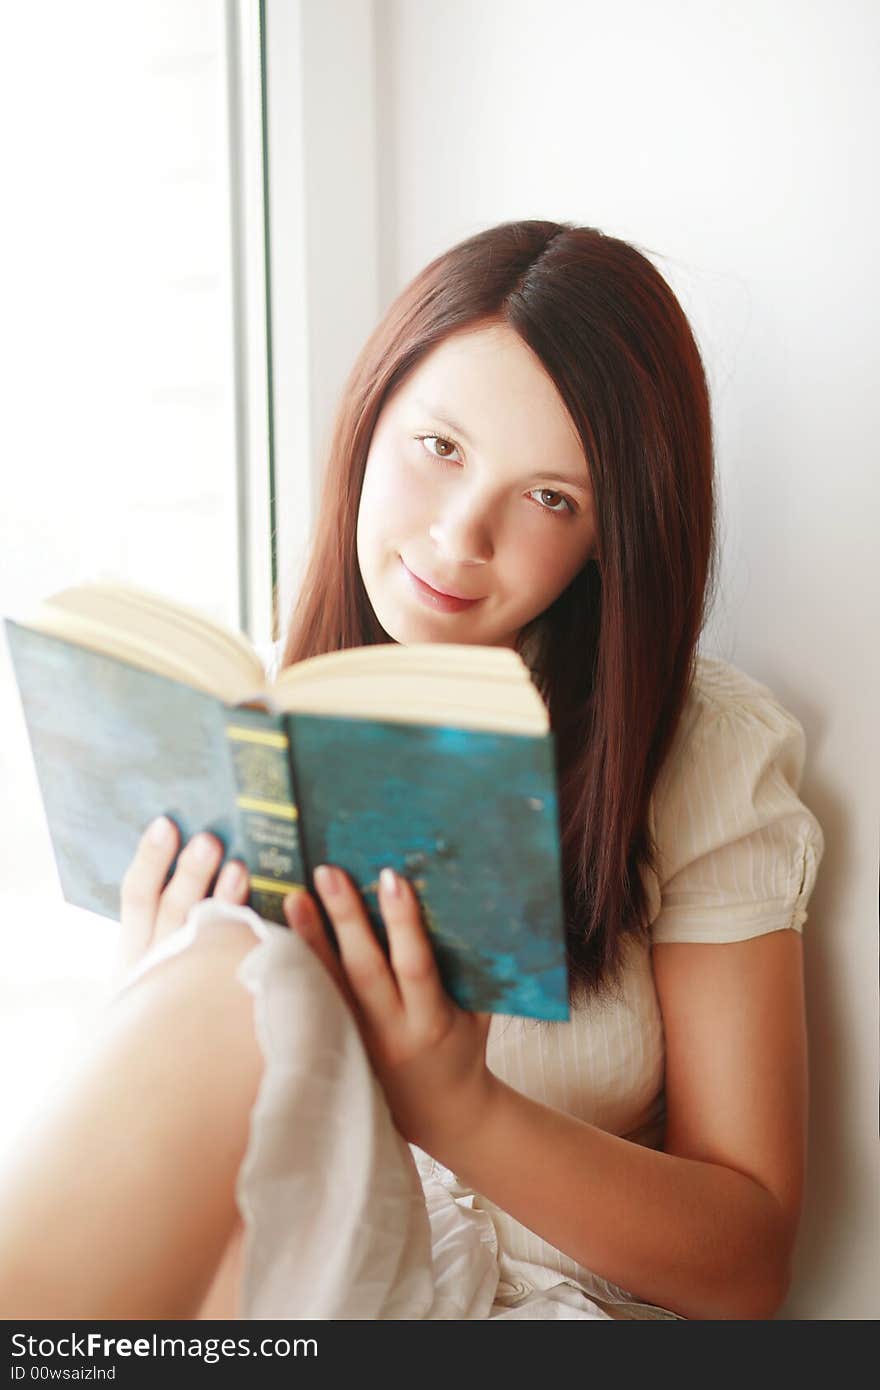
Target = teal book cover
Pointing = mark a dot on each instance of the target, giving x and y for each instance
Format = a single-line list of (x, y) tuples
[(469, 816)]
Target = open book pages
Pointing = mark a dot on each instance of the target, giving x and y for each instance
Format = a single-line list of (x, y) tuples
[(467, 686)]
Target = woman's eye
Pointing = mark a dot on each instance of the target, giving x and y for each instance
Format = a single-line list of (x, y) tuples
[(440, 440), (563, 508)]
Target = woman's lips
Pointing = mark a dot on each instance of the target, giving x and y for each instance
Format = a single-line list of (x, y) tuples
[(432, 598)]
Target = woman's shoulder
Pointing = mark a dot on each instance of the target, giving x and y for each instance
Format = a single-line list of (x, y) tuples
[(728, 713), (734, 841), (720, 685)]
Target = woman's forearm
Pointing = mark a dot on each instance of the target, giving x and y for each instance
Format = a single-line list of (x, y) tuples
[(700, 1239)]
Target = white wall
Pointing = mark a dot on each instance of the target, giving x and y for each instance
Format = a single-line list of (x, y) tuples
[(735, 142), (323, 217)]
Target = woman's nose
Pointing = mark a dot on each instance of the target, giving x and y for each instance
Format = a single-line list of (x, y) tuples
[(463, 539)]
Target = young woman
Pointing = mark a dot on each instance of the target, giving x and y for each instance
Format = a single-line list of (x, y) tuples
[(266, 1128)]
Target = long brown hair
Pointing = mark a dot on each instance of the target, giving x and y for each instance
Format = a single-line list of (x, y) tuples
[(617, 647)]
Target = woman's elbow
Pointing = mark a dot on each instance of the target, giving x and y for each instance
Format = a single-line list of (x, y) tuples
[(768, 1288)]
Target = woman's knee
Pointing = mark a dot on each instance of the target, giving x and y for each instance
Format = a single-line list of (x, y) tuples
[(193, 1004)]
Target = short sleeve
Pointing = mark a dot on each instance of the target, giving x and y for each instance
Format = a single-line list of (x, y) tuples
[(738, 851)]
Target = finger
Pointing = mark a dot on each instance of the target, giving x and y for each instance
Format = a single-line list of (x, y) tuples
[(189, 884), (412, 955), (142, 884), (366, 967), (303, 918), (233, 885)]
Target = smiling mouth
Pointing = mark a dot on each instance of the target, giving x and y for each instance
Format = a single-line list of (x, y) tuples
[(444, 593), (437, 598)]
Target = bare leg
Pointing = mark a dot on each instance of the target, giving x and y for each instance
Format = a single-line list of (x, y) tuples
[(181, 1176), (119, 1200)]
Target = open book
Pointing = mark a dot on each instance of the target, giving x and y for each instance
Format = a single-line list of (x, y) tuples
[(435, 758)]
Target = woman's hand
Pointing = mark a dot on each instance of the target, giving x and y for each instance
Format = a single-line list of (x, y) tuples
[(428, 1054), (150, 912)]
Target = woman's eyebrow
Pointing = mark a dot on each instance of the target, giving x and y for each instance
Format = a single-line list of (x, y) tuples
[(442, 419)]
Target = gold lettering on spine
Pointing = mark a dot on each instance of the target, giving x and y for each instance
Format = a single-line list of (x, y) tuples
[(274, 885), (240, 734), (261, 776), (260, 763)]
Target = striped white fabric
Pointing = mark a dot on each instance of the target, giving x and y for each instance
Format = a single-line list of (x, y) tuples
[(738, 856)]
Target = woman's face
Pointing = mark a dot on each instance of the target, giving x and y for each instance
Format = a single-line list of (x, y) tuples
[(476, 483)]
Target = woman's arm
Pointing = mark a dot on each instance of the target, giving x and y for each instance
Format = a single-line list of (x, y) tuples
[(705, 1228), (119, 1201)]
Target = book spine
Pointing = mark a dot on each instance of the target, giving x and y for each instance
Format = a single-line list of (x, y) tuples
[(266, 809)]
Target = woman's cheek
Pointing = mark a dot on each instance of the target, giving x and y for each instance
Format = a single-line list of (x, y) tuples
[(389, 491), (552, 570)]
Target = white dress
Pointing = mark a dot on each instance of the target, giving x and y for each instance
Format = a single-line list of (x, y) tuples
[(345, 1220)]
